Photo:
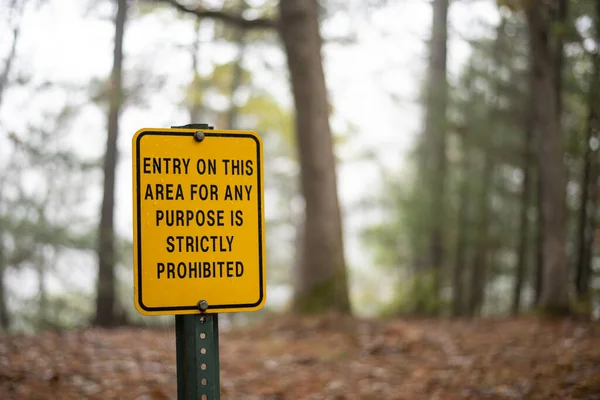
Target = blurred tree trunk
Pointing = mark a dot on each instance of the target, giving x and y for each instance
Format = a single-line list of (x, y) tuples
[(522, 245), (539, 237), (589, 180), (42, 293), (458, 277), (237, 73), (8, 63), (195, 106), (322, 283), (559, 31), (435, 138), (554, 297), (106, 299), (482, 250), (559, 11), (5, 319), (4, 316)]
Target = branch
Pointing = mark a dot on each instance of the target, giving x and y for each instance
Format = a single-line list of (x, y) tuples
[(237, 20)]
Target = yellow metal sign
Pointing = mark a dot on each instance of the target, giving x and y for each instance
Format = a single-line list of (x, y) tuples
[(198, 221)]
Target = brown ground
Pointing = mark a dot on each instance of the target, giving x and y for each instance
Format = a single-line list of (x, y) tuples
[(319, 358)]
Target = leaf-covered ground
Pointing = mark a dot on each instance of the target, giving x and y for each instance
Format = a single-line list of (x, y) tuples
[(319, 358)]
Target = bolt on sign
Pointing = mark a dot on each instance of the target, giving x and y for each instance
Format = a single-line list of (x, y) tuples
[(198, 221)]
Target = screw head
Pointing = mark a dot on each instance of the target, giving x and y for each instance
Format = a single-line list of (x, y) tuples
[(203, 305), (199, 136)]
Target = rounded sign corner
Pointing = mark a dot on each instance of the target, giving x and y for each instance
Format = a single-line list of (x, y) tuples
[(261, 302), (142, 309), (139, 133)]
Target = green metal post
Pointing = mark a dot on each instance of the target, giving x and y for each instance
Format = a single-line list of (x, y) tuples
[(197, 343)]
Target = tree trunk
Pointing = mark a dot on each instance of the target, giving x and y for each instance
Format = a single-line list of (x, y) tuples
[(480, 259), (561, 20), (237, 72), (526, 191), (482, 251), (322, 283), (236, 80), (43, 298), (522, 246), (11, 55), (4, 316), (554, 295), (458, 297), (106, 300), (195, 107), (539, 238), (589, 180), (435, 136)]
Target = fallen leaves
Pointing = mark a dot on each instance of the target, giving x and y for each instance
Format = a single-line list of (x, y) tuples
[(328, 357)]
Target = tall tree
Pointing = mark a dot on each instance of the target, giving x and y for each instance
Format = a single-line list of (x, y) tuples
[(195, 106), (458, 297), (554, 295), (482, 254), (558, 13), (588, 205), (16, 9), (106, 299), (236, 75), (322, 283), (436, 99), (523, 237)]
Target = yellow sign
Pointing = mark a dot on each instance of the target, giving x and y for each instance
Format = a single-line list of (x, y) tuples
[(198, 221)]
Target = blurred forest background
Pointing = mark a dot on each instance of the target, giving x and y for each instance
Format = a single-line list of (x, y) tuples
[(430, 158)]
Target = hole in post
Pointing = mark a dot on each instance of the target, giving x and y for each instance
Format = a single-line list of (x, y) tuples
[(203, 335), (203, 367), (203, 381), (203, 350)]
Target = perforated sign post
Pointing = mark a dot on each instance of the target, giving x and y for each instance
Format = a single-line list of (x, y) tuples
[(199, 246)]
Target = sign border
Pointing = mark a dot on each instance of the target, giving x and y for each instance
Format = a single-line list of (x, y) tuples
[(190, 133)]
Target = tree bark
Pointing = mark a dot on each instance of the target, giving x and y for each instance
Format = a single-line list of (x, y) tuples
[(589, 180), (195, 107), (522, 246), (5, 319), (458, 277), (42, 293), (8, 63), (482, 251), (435, 136), (561, 19), (237, 72), (322, 284), (554, 295), (106, 300), (538, 272), (236, 80), (480, 259)]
